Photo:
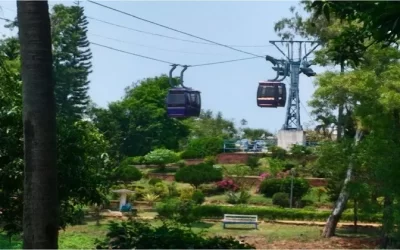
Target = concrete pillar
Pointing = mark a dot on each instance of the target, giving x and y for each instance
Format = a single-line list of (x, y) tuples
[(286, 138)]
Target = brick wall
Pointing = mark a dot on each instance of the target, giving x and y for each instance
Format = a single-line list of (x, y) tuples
[(248, 180), (193, 161)]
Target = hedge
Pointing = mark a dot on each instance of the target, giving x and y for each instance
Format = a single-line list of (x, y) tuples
[(272, 213)]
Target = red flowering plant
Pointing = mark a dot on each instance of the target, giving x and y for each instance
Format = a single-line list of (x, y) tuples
[(228, 185)]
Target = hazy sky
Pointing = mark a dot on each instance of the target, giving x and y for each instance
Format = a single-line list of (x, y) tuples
[(229, 88)]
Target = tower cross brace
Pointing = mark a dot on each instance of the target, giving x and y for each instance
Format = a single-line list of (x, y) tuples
[(292, 117)]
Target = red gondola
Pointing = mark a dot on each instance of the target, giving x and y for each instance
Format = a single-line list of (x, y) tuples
[(271, 94)]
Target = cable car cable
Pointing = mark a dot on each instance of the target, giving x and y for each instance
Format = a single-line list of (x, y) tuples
[(182, 32), (126, 52), (151, 47), (174, 38), (170, 63)]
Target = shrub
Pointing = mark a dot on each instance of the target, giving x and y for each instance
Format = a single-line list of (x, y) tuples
[(276, 213), (137, 160), (160, 189), (186, 193), (127, 173), (210, 189), (141, 235), (198, 174), (173, 190), (227, 185), (210, 160), (154, 181), (178, 210), (198, 197), (202, 147), (271, 186), (242, 197), (161, 157), (277, 152), (280, 199), (253, 162)]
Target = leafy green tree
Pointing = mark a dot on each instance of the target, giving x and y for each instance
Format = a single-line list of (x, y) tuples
[(161, 157), (203, 147), (127, 173), (11, 144), (72, 56), (139, 123), (210, 125), (254, 134), (198, 174)]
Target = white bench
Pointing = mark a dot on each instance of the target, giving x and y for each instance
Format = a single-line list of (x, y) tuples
[(240, 219)]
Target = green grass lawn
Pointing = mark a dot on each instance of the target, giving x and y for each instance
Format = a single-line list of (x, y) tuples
[(84, 236)]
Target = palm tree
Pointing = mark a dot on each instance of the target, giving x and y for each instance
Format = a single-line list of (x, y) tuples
[(40, 220)]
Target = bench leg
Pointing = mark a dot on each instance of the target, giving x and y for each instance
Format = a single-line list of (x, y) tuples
[(256, 226), (223, 225)]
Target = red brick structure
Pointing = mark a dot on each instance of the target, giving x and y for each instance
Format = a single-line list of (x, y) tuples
[(248, 180)]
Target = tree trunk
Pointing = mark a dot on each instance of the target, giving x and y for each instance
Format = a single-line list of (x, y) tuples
[(340, 111), (331, 223), (40, 215), (387, 224), (355, 210)]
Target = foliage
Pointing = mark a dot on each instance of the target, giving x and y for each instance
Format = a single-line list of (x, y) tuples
[(160, 189), (241, 197), (178, 210), (127, 173), (254, 134), (228, 185), (276, 165), (202, 147), (139, 123), (173, 190), (161, 157), (198, 197), (253, 162), (151, 198), (379, 18), (210, 160), (186, 193), (277, 152), (141, 235), (71, 60), (280, 199), (271, 186), (210, 189), (209, 126), (275, 213), (181, 163), (198, 174), (154, 181), (137, 160)]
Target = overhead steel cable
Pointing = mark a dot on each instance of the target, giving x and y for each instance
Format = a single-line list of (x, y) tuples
[(152, 47), (160, 35), (171, 63), (171, 37), (126, 52), (166, 27)]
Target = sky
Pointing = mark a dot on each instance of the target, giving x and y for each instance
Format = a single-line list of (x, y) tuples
[(230, 88)]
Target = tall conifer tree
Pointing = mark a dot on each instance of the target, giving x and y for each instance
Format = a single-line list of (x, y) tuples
[(72, 57)]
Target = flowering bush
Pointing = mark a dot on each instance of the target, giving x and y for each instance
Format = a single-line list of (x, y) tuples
[(228, 185), (264, 176)]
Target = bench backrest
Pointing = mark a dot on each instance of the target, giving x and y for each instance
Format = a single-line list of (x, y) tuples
[(240, 217)]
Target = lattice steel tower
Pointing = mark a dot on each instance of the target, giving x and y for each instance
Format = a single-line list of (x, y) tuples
[(297, 65)]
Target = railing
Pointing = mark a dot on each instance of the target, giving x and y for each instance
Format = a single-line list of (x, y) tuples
[(244, 145)]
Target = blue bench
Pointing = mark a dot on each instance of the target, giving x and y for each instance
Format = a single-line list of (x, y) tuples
[(240, 219)]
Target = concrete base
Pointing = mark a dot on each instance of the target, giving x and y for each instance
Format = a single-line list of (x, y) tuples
[(286, 138)]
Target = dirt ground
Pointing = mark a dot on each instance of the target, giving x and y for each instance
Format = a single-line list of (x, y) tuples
[(332, 243)]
